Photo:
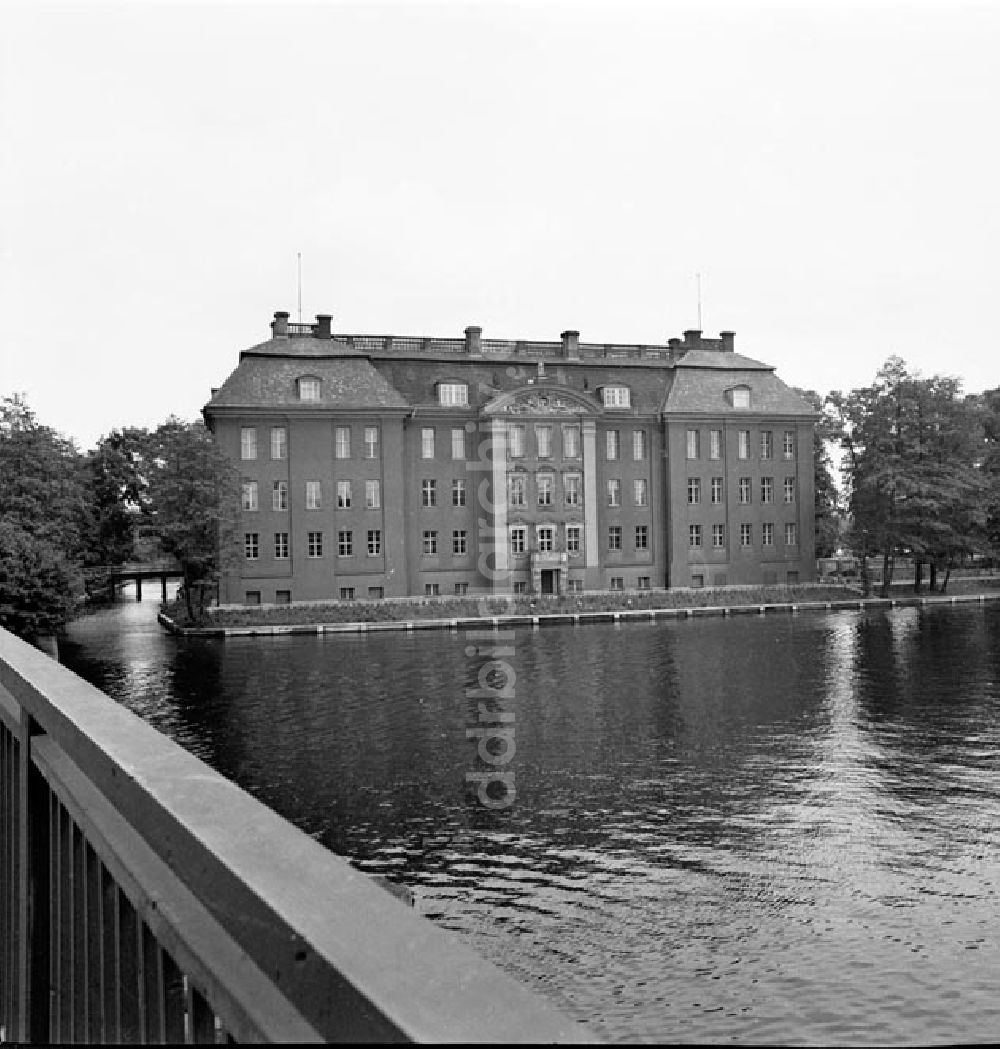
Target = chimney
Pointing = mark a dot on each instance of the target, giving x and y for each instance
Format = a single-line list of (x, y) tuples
[(692, 339), (473, 340), (674, 345), (727, 340), (321, 329), (279, 326), (571, 344)]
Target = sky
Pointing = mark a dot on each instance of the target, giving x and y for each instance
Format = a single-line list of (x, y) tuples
[(831, 170)]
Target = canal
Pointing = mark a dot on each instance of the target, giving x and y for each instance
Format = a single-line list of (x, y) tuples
[(761, 829)]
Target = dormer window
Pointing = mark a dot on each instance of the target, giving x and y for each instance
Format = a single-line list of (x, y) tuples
[(616, 397), (308, 389), (453, 394), (739, 396)]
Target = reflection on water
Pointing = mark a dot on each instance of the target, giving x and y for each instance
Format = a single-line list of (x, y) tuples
[(764, 829)]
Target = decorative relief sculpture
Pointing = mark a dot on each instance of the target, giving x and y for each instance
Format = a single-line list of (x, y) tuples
[(541, 404)]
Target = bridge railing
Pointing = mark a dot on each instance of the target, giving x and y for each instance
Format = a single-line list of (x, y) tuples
[(145, 898)]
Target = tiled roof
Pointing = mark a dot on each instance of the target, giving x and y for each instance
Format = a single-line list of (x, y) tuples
[(714, 359), (703, 390), (263, 382), (415, 379), (302, 346)]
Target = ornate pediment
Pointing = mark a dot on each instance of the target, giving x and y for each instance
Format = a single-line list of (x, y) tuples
[(541, 400)]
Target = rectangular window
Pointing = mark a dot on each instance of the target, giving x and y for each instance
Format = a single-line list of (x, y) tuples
[(744, 490), (309, 389), (345, 544), (282, 597), (767, 534), (614, 537), (791, 535), (374, 542), (544, 484), (614, 492), (251, 545), (694, 489), (767, 489), (571, 442), (746, 534), (520, 587), (694, 535), (279, 495), (457, 442), (458, 492), (343, 495), (342, 442), (571, 489), (718, 536), (253, 597), (640, 492), (788, 445), (546, 538), (616, 397), (517, 539), (515, 440), (315, 540), (573, 538), (373, 495), (461, 588), (617, 582), (281, 545), (314, 495), (643, 582), (638, 445), (575, 586), (279, 442), (743, 444), (428, 492), (249, 495), (612, 444), (715, 444), (716, 490), (459, 542), (453, 394), (543, 441), (347, 593), (248, 442), (371, 442), (789, 489), (376, 593), (517, 487), (766, 444), (693, 444), (427, 442), (430, 543), (642, 537)]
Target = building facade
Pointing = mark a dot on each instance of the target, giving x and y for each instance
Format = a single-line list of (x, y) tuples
[(385, 466)]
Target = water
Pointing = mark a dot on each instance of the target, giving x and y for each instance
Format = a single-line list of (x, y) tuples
[(759, 829)]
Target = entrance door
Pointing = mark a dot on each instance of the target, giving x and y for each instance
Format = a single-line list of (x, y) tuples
[(548, 581)]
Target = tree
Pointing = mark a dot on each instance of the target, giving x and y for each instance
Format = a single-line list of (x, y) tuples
[(116, 500), (826, 505), (192, 500), (912, 447), (42, 512)]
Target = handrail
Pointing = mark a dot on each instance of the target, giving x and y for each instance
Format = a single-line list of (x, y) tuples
[(145, 897)]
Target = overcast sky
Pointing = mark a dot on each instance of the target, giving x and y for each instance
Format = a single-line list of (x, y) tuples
[(832, 171)]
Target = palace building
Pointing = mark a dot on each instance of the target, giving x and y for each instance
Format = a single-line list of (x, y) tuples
[(384, 466)]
